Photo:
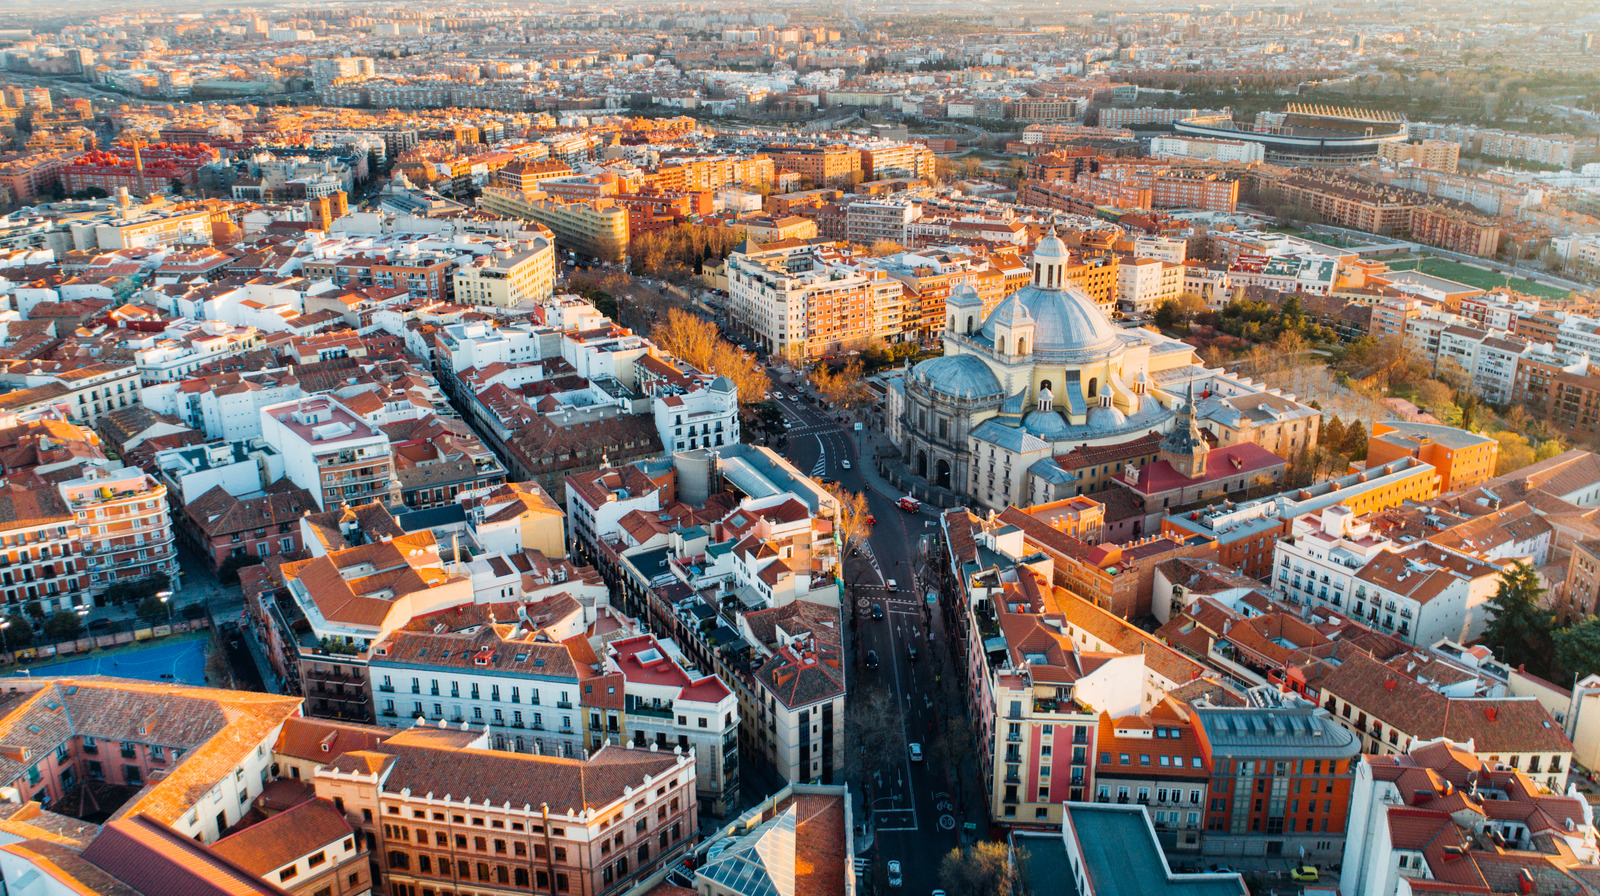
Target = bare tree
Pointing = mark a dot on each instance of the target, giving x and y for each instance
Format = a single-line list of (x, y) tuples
[(876, 725), (854, 521)]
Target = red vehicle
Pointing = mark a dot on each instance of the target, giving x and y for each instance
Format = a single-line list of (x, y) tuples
[(909, 504)]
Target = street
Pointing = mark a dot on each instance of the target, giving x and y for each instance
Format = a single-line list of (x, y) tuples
[(916, 806)]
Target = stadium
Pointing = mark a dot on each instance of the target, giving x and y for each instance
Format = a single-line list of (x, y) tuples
[(1303, 134)]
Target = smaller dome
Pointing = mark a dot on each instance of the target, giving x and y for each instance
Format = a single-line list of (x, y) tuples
[(1106, 418), (963, 296), (1047, 425), (959, 376), (1050, 249)]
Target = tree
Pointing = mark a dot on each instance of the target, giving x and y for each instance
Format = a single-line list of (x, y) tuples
[(1577, 650), (854, 519), (1333, 435), (982, 869), (1520, 627), (1355, 441), (1167, 316), (63, 626), (696, 341), (843, 387), (152, 610), (1515, 452), (1434, 395), (876, 722), (19, 632)]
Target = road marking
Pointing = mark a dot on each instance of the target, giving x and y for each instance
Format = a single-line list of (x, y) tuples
[(820, 468)]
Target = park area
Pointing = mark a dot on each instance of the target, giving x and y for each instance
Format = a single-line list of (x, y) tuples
[(180, 659), (1474, 276)]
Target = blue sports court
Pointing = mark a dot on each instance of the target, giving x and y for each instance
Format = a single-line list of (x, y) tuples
[(180, 661)]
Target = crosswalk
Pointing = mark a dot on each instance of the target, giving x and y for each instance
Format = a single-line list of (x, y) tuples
[(820, 468)]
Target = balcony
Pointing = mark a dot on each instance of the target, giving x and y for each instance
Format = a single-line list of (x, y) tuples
[(647, 709)]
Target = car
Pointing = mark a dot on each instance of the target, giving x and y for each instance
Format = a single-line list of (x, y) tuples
[(895, 877), (891, 584), (916, 752), (845, 464), (937, 893), (877, 611), (872, 520), (778, 396), (872, 659), (1304, 874), (911, 651)]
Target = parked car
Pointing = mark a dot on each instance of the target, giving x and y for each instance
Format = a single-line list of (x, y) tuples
[(1304, 874), (895, 877)]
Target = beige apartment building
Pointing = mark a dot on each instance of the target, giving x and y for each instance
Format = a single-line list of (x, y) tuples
[(598, 228), (804, 301), (507, 277)]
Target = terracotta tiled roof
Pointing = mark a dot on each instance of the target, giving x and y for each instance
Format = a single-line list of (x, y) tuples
[(283, 838)]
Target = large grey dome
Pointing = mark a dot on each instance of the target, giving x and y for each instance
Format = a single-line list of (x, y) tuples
[(961, 376), (1065, 321)]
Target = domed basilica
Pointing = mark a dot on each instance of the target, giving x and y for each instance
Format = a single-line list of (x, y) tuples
[(1044, 373)]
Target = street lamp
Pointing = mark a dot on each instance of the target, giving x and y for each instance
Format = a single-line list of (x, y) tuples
[(166, 600), (4, 648)]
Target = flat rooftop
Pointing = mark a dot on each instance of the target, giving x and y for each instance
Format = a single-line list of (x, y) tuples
[(1120, 857)]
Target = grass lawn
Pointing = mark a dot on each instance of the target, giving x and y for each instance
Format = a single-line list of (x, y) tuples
[(1478, 277)]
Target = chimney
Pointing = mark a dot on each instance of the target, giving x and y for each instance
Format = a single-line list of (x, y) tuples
[(1491, 713), (1390, 684), (1524, 882)]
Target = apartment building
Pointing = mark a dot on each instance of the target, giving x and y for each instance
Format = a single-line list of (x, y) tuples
[(1319, 560), (868, 221), (667, 705), (1439, 155), (447, 814), (1440, 813), (1156, 760), (330, 451), (692, 410), (309, 849), (597, 228), (1281, 778), (803, 302), (127, 530), (455, 668), (1461, 458), (45, 567), (1143, 284), (508, 277), (1392, 707), (1205, 148), (905, 160), (829, 165), (421, 273), (193, 759)]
